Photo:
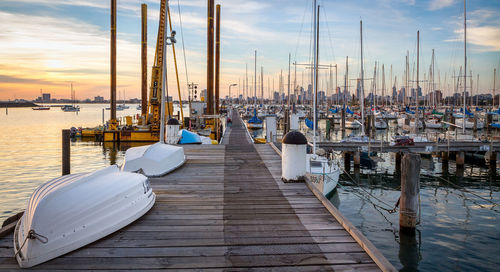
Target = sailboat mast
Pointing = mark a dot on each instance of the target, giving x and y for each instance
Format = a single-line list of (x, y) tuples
[(315, 71), (418, 86), (346, 90), (362, 82), (255, 79), (465, 64), (383, 86), (494, 83)]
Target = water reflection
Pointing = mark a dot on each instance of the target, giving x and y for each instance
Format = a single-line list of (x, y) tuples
[(409, 251)]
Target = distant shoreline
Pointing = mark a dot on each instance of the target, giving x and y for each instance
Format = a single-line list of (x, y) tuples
[(17, 104)]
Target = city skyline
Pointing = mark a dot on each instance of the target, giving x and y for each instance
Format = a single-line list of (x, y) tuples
[(48, 44)]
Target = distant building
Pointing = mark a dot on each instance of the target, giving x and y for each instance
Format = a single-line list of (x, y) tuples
[(46, 97), (98, 99)]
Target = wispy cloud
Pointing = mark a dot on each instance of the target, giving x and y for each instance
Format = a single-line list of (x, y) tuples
[(439, 4)]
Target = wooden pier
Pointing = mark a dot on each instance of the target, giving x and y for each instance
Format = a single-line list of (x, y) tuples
[(227, 209)]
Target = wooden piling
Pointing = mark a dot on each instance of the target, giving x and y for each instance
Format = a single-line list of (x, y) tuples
[(410, 190), (217, 57), (144, 60), (475, 124), (489, 120), (452, 120), (493, 161), (398, 160), (347, 162), (460, 159), (357, 159), (66, 150), (343, 119), (210, 57)]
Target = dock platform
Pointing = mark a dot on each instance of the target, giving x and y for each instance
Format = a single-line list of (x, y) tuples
[(225, 209)]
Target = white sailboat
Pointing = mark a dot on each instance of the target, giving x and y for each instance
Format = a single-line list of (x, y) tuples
[(326, 171)]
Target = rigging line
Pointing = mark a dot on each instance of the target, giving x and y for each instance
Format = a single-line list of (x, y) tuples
[(467, 191), (360, 187), (329, 34), (183, 48), (300, 32)]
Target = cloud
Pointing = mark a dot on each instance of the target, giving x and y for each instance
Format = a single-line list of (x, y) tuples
[(14, 79), (439, 4)]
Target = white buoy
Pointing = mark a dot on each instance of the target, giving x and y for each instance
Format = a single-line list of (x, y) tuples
[(293, 160), (294, 122), (270, 129), (173, 131)]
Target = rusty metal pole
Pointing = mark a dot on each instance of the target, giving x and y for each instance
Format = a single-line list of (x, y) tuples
[(217, 57), (66, 152), (144, 60), (210, 58), (113, 66)]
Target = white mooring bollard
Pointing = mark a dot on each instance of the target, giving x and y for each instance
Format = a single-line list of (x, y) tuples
[(294, 122), (172, 131), (293, 159), (271, 129)]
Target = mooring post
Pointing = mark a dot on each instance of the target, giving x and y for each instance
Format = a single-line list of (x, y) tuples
[(398, 160), (347, 162), (452, 120), (66, 152), (343, 119), (357, 159), (460, 159), (489, 120), (6, 111), (493, 161), (410, 190), (444, 160), (475, 124)]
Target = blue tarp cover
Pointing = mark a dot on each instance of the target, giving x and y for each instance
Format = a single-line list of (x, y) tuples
[(309, 123), (349, 111), (188, 137), (255, 119)]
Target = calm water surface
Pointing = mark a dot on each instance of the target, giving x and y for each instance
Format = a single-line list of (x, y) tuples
[(458, 229)]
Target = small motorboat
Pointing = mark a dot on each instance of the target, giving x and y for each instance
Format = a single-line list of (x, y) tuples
[(75, 210), (41, 108), (154, 160), (433, 123), (70, 108)]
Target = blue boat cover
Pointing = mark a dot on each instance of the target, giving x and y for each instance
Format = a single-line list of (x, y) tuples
[(466, 112), (478, 109), (334, 110), (409, 111), (495, 125), (349, 111), (255, 119), (309, 123), (188, 137)]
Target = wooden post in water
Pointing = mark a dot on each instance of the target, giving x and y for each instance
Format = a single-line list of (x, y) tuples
[(217, 58), (410, 189), (144, 60), (210, 57), (493, 161), (357, 159), (6, 111), (460, 159), (347, 162), (66, 152), (489, 120), (343, 119), (452, 120), (444, 160), (398, 161)]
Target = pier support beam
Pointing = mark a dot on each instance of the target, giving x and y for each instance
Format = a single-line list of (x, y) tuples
[(460, 159), (343, 119), (410, 189), (347, 162), (398, 161), (66, 151), (357, 159), (493, 161), (444, 161)]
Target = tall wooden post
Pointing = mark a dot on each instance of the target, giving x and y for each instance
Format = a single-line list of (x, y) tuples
[(210, 58), (357, 159), (410, 189), (113, 67), (66, 151), (144, 59), (460, 159), (217, 58), (347, 162)]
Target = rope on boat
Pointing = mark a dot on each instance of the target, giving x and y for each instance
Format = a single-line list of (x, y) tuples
[(32, 235)]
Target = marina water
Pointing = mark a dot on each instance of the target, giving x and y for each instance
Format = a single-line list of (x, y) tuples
[(458, 228)]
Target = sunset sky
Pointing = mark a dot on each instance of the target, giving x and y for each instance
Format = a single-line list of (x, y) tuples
[(46, 44)]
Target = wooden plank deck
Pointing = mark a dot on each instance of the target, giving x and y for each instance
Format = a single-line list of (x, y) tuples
[(226, 209)]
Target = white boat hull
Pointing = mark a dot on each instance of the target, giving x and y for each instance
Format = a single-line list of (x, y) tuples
[(325, 175), (72, 211), (254, 126), (154, 160)]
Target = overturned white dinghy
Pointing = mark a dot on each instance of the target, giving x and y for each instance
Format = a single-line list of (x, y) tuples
[(72, 211), (154, 160)]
